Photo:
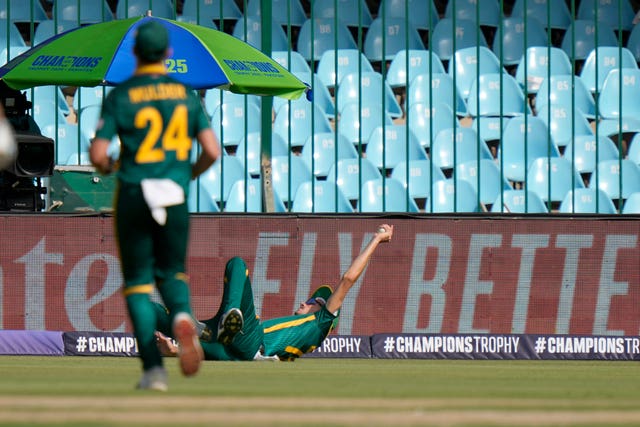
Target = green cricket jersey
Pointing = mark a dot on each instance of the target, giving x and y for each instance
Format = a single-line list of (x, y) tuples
[(292, 336), (157, 119)]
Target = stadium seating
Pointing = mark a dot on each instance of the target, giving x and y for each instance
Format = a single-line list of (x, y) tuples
[(632, 204), (213, 98), (288, 172), (449, 195), (633, 42), (246, 196), (471, 62), (436, 88), (321, 95), (216, 182), (231, 121), (49, 28), (353, 13), (519, 201), (81, 11), (159, 8), (22, 11), (467, 34), (249, 29), (565, 123), (10, 34), (566, 91), (633, 150), (497, 94), (284, 12), (387, 146), (551, 15), (422, 14), (86, 96), (600, 61), (407, 64), (321, 34), (618, 178), (486, 13), (367, 89), (357, 123), (455, 146), (335, 64), (386, 37), (540, 63), (320, 196), (485, 177), (49, 93), (620, 94), (511, 39), (552, 178), (584, 152), (417, 176), (349, 174), (617, 14), (426, 121), (385, 195), (324, 149), (587, 200), (296, 121), (291, 60), (579, 39), (248, 151)]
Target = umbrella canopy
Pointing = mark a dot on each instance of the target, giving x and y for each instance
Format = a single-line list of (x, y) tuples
[(102, 54)]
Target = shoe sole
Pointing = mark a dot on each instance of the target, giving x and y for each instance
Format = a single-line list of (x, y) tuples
[(155, 386), (191, 353), (230, 327)]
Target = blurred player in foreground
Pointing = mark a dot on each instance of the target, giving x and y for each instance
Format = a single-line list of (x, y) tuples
[(240, 335), (156, 118)]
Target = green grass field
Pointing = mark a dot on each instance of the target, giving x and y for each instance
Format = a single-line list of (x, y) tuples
[(97, 391)]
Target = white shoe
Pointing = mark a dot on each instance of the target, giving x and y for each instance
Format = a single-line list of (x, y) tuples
[(230, 324), (190, 353), (154, 379)]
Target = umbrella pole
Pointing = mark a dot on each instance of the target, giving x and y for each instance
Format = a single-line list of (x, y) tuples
[(268, 204)]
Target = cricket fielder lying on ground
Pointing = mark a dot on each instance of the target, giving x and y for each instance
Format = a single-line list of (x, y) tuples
[(242, 336)]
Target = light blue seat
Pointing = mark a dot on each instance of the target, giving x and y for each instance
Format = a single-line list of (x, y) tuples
[(471, 62), (199, 201), (605, 59), (486, 12), (133, 8), (386, 195), (291, 60), (541, 62), (357, 124), (632, 204), (320, 196), (511, 40), (86, 96), (617, 14), (66, 137), (565, 123), (217, 10), (321, 95), (449, 195), (587, 200), (552, 178), (81, 11), (335, 64), (485, 177), (246, 196), (349, 174), (22, 11), (417, 176), (633, 42), (621, 89), (627, 126), (467, 34), (367, 89), (216, 182), (390, 145), (231, 121), (585, 40), (407, 64), (553, 16), (386, 37), (618, 178), (565, 90), (284, 12), (45, 113), (519, 201), (214, 97), (249, 29), (288, 172), (426, 121), (327, 35), (353, 13), (189, 19), (10, 34), (88, 118), (49, 93), (423, 14), (489, 128), (298, 120), (584, 152), (8, 55), (456, 146), (48, 28), (497, 94), (436, 88), (248, 151), (521, 145), (324, 149)]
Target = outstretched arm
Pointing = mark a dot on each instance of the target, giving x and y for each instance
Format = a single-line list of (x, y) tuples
[(350, 277)]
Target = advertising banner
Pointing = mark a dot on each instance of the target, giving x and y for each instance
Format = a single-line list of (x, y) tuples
[(439, 275)]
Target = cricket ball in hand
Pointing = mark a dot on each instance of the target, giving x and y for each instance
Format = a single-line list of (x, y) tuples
[(381, 230)]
